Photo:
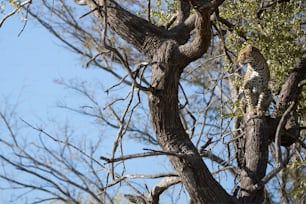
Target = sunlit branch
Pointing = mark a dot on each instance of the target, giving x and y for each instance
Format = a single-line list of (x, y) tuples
[(119, 179), (161, 186)]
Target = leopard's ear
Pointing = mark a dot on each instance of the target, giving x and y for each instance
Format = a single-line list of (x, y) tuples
[(248, 47)]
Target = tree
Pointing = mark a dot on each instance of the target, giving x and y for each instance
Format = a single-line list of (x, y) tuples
[(170, 59)]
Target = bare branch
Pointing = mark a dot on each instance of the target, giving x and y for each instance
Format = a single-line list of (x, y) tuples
[(161, 186), (135, 176), (131, 156), (18, 7), (272, 173), (278, 135), (62, 142), (73, 47)]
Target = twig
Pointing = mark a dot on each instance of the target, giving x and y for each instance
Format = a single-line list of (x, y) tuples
[(26, 20), (131, 156), (135, 176), (95, 57), (180, 155), (7, 124), (18, 7), (278, 135), (115, 85), (149, 11), (272, 173), (63, 142)]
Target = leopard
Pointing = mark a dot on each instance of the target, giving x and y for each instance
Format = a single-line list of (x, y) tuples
[(255, 88)]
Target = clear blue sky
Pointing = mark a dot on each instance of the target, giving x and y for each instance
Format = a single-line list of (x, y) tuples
[(30, 64)]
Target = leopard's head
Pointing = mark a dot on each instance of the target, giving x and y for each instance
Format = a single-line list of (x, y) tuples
[(249, 54)]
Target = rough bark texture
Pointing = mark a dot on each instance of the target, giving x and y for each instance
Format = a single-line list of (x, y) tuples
[(171, 135), (256, 158), (252, 148)]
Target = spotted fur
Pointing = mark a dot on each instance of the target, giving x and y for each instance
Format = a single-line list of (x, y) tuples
[(255, 82)]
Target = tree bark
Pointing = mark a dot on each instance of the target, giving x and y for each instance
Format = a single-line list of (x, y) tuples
[(289, 94), (170, 52), (169, 62), (291, 89), (163, 103), (256, 159), (259, 132)]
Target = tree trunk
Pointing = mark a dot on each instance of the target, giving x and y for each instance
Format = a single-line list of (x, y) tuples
[(256, 159), (163, 102), (169, 52), (252, 148)]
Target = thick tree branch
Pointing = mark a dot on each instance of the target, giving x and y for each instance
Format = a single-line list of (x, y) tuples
[(289, 94), (290, 90), (184, 11), (135, 30), (201, 40)]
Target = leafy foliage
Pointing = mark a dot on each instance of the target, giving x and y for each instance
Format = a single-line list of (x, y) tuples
[(296, 176), (277, 32)]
